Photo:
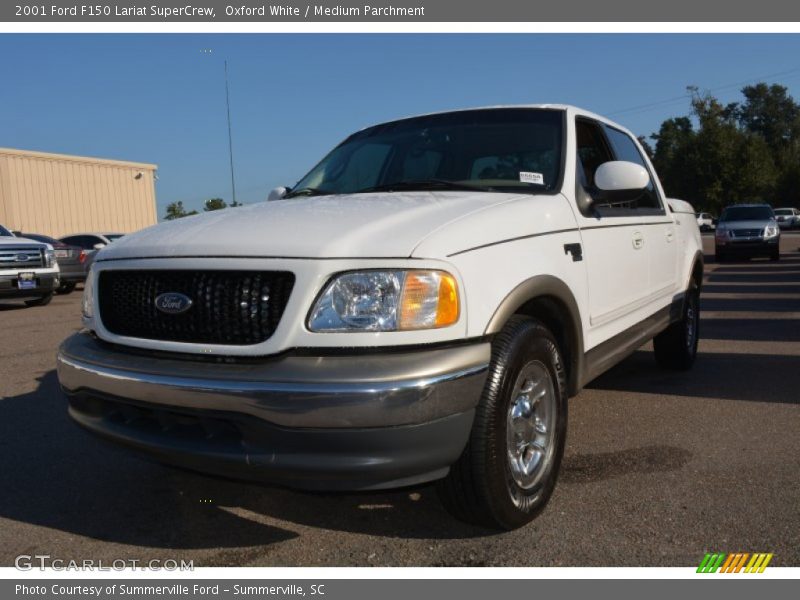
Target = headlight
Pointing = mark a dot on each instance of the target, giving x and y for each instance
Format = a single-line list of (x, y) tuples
[(396, 300), (770, 231), (721, 233), (87, 303), (50, 258)]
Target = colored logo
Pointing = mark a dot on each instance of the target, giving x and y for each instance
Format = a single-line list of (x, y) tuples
[(740, 562), (173, 303)]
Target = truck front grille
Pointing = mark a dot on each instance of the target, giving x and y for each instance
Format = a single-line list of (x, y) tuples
[(747, 232), (227, 307), (21, 257)]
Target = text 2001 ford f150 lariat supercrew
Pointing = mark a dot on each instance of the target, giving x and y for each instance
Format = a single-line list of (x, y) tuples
[(419, 307)]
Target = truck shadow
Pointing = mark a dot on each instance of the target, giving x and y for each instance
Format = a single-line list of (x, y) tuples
[(747, 377), (59, 477), (766, 377), (11, 305)]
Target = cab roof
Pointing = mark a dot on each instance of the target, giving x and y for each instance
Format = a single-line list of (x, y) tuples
[(570, 109)]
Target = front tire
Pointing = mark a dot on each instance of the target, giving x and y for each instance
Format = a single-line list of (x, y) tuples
[(40, 301), (676, 346), (508, 471), (775, 256), (66, 288)]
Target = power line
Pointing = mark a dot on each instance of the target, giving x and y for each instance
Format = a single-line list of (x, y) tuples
[(646, 107)]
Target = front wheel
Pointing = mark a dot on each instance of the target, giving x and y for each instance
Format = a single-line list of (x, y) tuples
[(775, 256), (40, 301), (66, 287), (676, 346), (508, 471)]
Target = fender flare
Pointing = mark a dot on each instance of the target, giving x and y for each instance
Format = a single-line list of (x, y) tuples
[(697, 259), (547, 287)]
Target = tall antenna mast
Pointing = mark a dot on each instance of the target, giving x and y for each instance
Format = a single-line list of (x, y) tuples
[(230, 136)]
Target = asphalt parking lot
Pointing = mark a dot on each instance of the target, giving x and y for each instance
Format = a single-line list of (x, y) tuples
[(659, 468)]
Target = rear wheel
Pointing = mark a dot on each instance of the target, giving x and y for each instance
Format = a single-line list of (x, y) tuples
[(508, 470), (676, 346), (40, 301)]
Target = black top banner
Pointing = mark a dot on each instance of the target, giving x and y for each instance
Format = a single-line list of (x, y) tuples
[(403, 11)]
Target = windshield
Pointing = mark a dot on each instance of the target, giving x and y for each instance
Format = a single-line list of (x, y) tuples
[(747, 213), (5, 232), (504, 150), (784, 211), (112, 237)]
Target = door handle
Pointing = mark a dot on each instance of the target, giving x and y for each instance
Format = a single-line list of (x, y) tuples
[(638, 240), (670, 236)]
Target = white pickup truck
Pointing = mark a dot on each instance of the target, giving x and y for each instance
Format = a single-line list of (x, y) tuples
[(28, 269), (419, 307)]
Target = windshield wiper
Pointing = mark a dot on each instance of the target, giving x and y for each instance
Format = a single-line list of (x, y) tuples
[(424, 184), (307, 191)]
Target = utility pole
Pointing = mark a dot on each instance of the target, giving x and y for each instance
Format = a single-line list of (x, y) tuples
[(230, 136)]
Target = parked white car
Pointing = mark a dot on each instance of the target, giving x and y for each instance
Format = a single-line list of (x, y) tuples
[(787, 218), (419, 307), (705, 221)]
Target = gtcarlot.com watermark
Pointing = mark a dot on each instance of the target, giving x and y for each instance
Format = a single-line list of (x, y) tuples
[(28, 562)]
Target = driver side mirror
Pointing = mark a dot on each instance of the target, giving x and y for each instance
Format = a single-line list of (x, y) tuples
[(277, 193)]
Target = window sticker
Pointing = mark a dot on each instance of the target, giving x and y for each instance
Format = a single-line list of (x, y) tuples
[(528, 177)]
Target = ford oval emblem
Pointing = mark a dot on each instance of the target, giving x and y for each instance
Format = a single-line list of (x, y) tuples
[(22, 258), (173, 303)]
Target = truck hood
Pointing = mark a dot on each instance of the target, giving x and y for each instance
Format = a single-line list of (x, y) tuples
[(19, 241), (380, 225)]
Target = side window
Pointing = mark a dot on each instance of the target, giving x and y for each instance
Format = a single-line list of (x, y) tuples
[(593, 151), (625, 149)]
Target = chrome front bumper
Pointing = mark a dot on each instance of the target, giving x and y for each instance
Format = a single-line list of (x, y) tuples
[(366, 421)]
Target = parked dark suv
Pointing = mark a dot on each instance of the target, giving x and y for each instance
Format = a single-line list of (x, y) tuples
[(747, 231)]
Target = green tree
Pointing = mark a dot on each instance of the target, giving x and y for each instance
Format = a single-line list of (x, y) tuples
[(175, 210), (730, 153), (646, 145), (214, 204), (770, 112), (673, 159)]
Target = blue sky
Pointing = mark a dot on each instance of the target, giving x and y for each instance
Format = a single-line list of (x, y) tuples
[(161, 99)]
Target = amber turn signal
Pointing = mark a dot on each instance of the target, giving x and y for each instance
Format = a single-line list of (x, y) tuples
[(429, 300)]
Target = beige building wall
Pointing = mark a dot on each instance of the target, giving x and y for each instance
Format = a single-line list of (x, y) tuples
[(58, 194)]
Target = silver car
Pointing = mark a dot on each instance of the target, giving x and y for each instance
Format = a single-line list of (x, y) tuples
[(747, 231)]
